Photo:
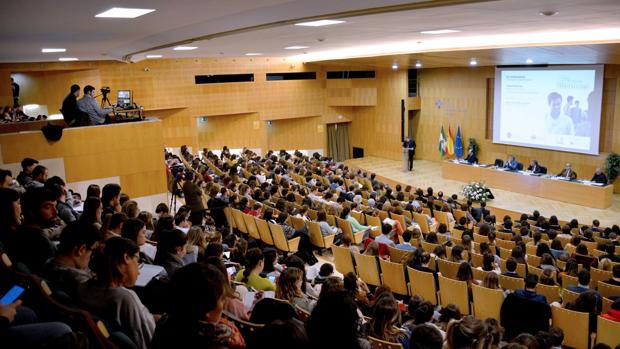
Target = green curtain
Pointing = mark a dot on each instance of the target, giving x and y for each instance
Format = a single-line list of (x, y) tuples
[(338, 141)]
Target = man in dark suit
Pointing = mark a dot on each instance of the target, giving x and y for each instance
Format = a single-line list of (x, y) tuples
[(568, 172), (69, 105), (599, 176), (525, 310), (471, 157), (410, 145), (480, 213), (535, 167)]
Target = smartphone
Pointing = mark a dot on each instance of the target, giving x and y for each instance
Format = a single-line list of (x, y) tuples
[(272, 278), (231, 271), (12, 295), (227, 254)]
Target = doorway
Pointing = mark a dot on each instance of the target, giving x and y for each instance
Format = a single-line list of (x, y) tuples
[(338, 141), (412, 120)]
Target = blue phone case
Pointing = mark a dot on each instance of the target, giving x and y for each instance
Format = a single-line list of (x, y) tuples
[(12, 295)]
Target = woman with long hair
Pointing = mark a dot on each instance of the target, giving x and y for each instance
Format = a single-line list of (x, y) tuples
[(385, 317), (465, 334), (196, 244), (135, 230), (288, 288), (491, 280), (93, 209)]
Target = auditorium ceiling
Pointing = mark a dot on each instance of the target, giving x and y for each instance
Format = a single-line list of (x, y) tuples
[(493, 30)]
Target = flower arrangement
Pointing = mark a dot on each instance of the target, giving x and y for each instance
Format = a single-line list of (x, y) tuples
[(477, 191)]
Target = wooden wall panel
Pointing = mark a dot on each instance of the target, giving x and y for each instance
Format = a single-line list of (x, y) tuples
[(131, 151), (297, 134), (377, 129), (234, 131)]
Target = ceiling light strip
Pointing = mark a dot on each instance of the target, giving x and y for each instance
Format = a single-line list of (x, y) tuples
[(344, 14)]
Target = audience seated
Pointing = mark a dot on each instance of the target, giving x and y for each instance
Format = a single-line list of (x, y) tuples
[(200, 271)]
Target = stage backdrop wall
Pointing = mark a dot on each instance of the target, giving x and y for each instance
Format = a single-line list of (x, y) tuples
[(463, 96)]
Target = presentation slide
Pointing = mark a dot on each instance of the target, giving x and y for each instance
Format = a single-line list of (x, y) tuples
[(556, 107)]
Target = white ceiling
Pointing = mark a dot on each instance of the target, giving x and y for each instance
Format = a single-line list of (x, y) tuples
[(30, 25)]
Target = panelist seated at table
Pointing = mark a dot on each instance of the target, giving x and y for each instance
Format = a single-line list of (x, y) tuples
[(471, 157), (568, 172), (599, 176), (511, 164), (536, 168)]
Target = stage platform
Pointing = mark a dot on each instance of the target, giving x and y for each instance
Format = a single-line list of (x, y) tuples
[(428, 173)]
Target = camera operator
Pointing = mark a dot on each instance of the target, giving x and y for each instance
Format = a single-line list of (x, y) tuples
[(193, 198), (88, 104)]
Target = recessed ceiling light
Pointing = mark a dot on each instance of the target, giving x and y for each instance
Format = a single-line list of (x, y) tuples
[(121, 12), (185, 48), (529, 61), (295, 47), (154, 56), (473, 61), (418, 64), (394, 66), (319, 23), (52, 50), (548, 13), (439, 31), (67, 59), (253, 54)]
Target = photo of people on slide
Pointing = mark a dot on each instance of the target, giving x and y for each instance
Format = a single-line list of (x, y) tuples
[(556, 122), (549, 108)]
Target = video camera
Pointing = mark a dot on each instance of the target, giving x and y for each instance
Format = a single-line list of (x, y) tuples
[(105, 90)]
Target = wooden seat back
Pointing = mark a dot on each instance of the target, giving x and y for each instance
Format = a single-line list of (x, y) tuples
[(487, 302), (422, 284), (343, 260), (367, 269), (607, 332), (393, 276), (575, 326), (510, 283), (316, 237), (280, 241), (263, 230), (454, 292), (608, 290), (448, 269), (251, 227)]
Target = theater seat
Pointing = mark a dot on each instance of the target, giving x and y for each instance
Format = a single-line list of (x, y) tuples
[(499, 163), (519, 166), (543, 170)]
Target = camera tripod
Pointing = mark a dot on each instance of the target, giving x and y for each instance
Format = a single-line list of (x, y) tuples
[(105, 100), (176, 190)]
